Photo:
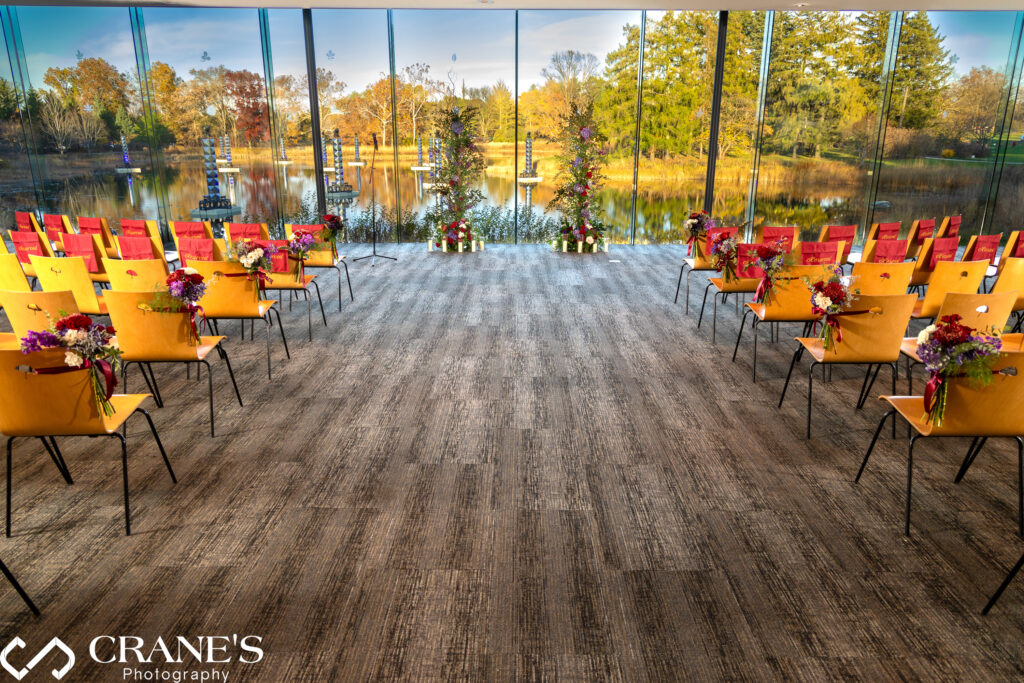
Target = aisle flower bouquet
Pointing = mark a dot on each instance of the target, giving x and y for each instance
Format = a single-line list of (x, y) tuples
[(186, 287), (828, 299), (334, 229), (299, 246), (87, 345), (723, 256), (457, 231), (951, 349), (770, 259), (697, 225)]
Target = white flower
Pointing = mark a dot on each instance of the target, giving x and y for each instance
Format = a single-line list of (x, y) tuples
[(925, 334), (822, 301), (461, 234), (590, 239), (190, 271), (690, 222), (113, 343), (258, 252), (72, 359)]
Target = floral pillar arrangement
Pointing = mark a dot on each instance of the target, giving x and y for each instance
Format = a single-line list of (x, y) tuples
[(459, 166), (579, 180)]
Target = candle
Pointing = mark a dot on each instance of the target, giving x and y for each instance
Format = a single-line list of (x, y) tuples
[(481, 245), (444, 245), (565, 245), (472, 245), (460, 246), (579, 247), (606, 246), (430, 246)]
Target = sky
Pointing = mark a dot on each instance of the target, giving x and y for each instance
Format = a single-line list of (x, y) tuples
[(353, 43)]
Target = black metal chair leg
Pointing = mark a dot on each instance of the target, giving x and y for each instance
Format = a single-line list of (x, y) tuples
[(124, 476), (156, 387), (739, 335), (755, 327), (680, 282), (10, 443), (319, 300), (149, 385), (209, 381), (60, 458), (864, 386), (231, 373), (972, 452), (351, 296), (57, 463), (266, 320), (895, 376), (1002, 587), (703, 303), (810, 390), (159, 444), (17, 586), (910, 480), (874, 439), (796, 356), (1020, 486), (283, 340)]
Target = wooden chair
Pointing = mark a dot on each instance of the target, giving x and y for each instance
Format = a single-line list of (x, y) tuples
[(12, 277), (950, 227), (1014, 249), (147, 334), (932, 253), (871, 335), (56, 226), (231, 295), (137, 275), (327, 257), (992, 411), (954, 277), (790, 303), (982, 247), (701, 260), (883, 251), (839, 233), (884, 231), (99, 226), (748, 276), (134, 248), (820, 253), (1011, 280), (248, 231), (789, 235), (61, 404), (69, 274), (90, 248), (26, 221), (286, 275), (198, 249), (881, 279), (28, 244), (194, 230), (34, 311), (920, 230), (131, 227)]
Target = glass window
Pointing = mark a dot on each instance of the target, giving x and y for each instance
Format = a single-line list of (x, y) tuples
[(354, 90), (679, 75), (940, 137), (207, 78), (821, 118), (87, 111), (17, 189), (738, 122), (447, 58), (582, 56)]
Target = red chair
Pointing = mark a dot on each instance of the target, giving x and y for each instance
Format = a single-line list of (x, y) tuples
[(950, 226), (884, 251), (100, 227), (884, 231), (821, 253), (920, 230), (26, 221), (839, 233), (197, 248), (769, 235)]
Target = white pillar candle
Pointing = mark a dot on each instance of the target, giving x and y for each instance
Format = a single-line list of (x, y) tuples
[(460, 246), (481, 245), (579, 247), (444, 245), (565, 245), (472, 245), (606, 246), (430, 246)]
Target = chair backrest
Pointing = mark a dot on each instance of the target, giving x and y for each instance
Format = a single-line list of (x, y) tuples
[(12, 277), (996, 409), (884, 251), (920, 230), (839, 233), (280, 263), (882, 279), (884, 231), (1014, 249), (136, 248), (874, 336), (1011, 279), (198, 248), (26, 221), (68, 273), (982, 247), (702, 248), (55, 225), (145, 329), (86, 246), (229, 293), (49, 404), (950, 226), (97, 226), (951, 276), (248, 231), (34, 311), (192, 229), (138, 227), (925, 263), (943, 249), (821, 253), (980, 311), (791, 298), (322, 254), (136, 275), (746, 260), (770, 235), (27, 244)]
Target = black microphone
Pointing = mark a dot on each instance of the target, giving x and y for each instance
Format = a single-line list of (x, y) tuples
[(375, 141)]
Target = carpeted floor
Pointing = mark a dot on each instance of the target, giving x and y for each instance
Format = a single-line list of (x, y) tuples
[(514, 465)]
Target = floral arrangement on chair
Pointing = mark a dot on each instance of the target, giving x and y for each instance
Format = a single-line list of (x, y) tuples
[(87, 345), (696, 227), (770, 259), (951, 349), (334, 228), (301, 243), (186, 287), (457, 179), (580, 179), (255, 258), (723, 256), (828, 299)]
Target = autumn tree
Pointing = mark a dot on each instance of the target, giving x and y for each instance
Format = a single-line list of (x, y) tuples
[(248, 104)]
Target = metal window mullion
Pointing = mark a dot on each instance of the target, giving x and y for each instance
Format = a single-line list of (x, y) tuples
[(888, 79), (19, 72), (314, 112), (515, 148), (762, 93), (716, 110), (394, 125), (636, 139), (150, 115), (276, 134)]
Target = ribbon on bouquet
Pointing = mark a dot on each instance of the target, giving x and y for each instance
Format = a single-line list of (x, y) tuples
[(260, 275), (832, 320), (692, 240), (301, 270)]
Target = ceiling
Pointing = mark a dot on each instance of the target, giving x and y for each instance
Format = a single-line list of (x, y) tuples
[(1013, 5)]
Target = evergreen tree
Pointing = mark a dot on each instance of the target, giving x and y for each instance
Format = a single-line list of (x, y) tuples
[(923, 68)]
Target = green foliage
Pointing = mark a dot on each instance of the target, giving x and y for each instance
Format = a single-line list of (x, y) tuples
[(457, 178), (580, 177)]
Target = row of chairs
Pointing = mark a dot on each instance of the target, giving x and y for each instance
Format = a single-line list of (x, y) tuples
[(875, 334)]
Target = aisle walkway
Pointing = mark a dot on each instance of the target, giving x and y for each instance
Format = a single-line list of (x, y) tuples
[(521, 464)]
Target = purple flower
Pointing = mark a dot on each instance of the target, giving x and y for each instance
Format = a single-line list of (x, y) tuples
[(457, 128), (36, 341), (577, 162), (585, 213), (585, 132)]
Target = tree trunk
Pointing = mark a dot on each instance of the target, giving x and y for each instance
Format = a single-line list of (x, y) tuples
[(903, 106)]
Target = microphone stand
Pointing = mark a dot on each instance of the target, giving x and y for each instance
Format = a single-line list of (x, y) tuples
[(373, 212)]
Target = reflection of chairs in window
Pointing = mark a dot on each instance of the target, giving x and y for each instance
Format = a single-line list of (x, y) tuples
[(61, 403), (992, 411), (137, 275), (149, 335), (872, 329), (326, 256), (701, 261), (69, 273), (948, 277), (231, 295), (881, 279)]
